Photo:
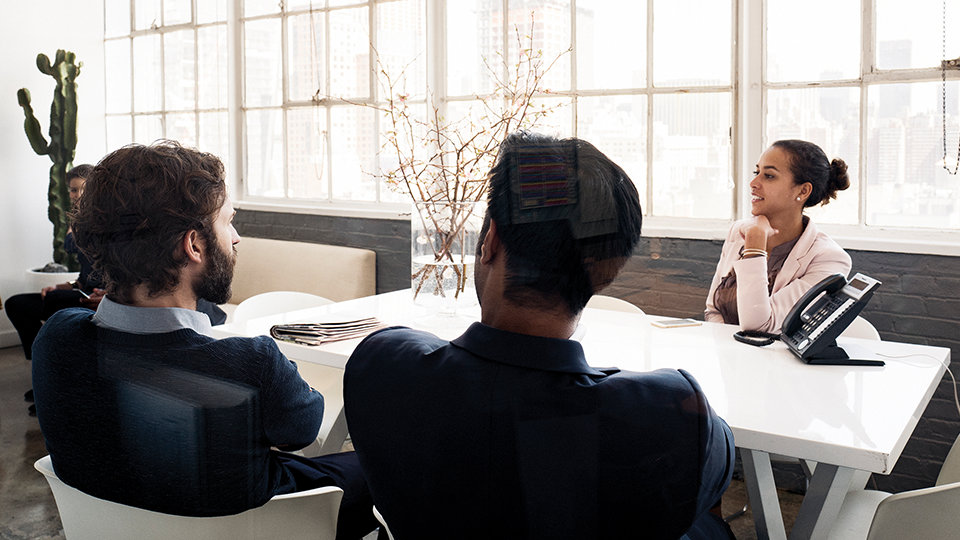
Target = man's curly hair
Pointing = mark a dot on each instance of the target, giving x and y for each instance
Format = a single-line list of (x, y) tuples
[(138, 204)]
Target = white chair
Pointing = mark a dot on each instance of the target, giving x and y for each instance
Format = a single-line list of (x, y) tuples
[(333, 429), (306, 514), (950, 470), (600, 301), (383, 522), (861, 328), (274, 302), (921, 513)]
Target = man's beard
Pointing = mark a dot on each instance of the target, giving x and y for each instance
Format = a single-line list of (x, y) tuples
[(214, 283)]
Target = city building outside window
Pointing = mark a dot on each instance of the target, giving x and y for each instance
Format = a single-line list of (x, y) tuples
[(684, 103)]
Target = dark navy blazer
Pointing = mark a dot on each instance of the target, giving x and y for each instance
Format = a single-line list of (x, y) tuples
[(503, 435)]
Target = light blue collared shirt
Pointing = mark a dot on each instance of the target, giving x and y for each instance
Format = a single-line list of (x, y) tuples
[(149, 320)]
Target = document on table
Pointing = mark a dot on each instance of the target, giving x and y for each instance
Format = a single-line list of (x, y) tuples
[(325, 332)]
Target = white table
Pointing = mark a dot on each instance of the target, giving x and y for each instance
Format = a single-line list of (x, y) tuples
[(843, 417)]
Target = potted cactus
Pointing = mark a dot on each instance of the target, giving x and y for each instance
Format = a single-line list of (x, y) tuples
[(61, 146)]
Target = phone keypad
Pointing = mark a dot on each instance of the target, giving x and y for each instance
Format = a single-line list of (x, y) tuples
[(820, 321)]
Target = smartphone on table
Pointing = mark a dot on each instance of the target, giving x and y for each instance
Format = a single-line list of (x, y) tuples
[(676, 323)]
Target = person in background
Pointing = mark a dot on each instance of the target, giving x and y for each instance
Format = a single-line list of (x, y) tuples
[(507, 431), (28, 311), (771, 259), (137, 405)]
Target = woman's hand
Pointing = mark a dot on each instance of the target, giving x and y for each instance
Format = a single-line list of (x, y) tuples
[(60, 286), (756, 232), (93, 300)]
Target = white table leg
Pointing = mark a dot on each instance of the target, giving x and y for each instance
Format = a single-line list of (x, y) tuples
[(762, 493), (822, 502), (859, 480)]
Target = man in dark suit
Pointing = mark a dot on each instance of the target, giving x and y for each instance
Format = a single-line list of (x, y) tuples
[(506, 431)]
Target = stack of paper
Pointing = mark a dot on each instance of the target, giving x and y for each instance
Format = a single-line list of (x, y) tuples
[(320, 333)]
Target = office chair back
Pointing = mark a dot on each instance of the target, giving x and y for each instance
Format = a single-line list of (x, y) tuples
[(383, 523), (950, 471), (274, 302), (308, 514), (333, 429), (600, 301), (861, 328), (921, 513)]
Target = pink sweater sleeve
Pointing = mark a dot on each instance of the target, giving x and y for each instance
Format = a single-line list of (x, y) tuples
[(729, 252), (759, 310)]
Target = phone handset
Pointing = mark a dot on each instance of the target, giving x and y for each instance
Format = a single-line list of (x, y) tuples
[(830, 285)]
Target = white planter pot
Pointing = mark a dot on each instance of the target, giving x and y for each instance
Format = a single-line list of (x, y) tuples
[(38, 280)]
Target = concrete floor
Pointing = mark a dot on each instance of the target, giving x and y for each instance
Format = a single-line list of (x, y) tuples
[(27, 508)]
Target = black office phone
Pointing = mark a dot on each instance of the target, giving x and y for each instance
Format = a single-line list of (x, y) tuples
[(811, 328)]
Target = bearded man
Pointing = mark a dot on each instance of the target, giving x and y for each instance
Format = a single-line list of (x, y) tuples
[(136, 403)]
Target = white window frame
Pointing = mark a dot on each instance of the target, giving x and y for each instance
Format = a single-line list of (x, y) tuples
[(436, 81), (331, 206), (161, 31), (753, 100), (749, 101)]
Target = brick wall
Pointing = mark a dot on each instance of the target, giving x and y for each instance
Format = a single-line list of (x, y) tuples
[(919, 302)]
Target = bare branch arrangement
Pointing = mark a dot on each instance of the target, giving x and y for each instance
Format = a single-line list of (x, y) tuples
[(442, 164)]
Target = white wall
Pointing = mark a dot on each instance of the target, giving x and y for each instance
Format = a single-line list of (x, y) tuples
[(29, 28)]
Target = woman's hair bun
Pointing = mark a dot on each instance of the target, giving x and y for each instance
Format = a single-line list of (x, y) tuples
[(839, 180)]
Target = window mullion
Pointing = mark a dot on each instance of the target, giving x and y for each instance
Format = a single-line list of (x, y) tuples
[(163, 83), (328, 109), (436, 46), (649, 92), (133, 18), (196, 72), (868, 34), (573, 66), (133, 105), (235, 78), (750, 96), (505, 39), (862, 159), (867, 69), (284, 91), (372, 55)]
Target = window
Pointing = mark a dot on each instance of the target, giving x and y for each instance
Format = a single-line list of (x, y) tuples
[(665, 117), (166, 72), (309, 69), (874, 102), (684, 103)]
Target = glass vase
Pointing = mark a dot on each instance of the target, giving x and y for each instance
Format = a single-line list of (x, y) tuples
[(443, 241)]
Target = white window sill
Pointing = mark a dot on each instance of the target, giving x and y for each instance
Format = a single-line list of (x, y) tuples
[(340, 209), (883, 239)]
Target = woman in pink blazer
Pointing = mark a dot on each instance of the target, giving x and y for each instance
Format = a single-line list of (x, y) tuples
[(769, 260)]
